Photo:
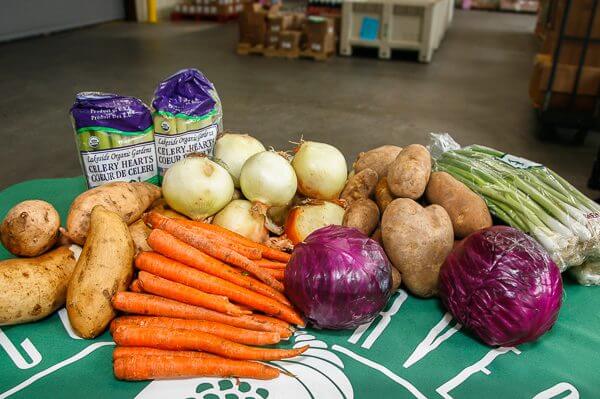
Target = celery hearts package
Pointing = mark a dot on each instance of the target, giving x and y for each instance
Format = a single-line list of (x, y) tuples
[(187, 117), (115, 138)]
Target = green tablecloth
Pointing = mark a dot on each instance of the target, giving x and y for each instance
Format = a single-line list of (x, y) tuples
[(414, 349)]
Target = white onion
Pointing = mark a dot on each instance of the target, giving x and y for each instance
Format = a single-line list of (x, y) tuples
[(267, 177), (321, 170), (234, 149), (239, 216), (197, 187)]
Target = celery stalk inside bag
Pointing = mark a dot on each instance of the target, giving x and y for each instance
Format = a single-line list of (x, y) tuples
[(526, 195)]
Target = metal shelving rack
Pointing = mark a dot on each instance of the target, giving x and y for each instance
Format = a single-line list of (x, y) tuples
[(570, 118)]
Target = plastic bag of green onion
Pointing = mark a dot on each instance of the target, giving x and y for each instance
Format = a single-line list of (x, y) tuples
[(527, 195)]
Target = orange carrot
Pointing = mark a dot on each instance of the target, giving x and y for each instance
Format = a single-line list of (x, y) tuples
[(210, 246), (128, 351), (172, 270), (270, 264), (179, 292), (267, 252), (284, 326), (239, 335), (164, 243), (158, 221), (277, 273), (174, 339), (135, 286), (138, 368), (145, 304)]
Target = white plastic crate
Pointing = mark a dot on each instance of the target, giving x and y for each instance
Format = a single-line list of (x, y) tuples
[(401, 24)]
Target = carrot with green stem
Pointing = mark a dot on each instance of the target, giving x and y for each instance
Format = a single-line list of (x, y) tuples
[(152, 305), (235, 334), (267, 252), (156, 285), (171, 247), (169, 269), (139, 368), (174, 339), (210, 246)]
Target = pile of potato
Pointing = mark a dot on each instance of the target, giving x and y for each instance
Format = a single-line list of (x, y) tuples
[(44, 279), (416, 214)]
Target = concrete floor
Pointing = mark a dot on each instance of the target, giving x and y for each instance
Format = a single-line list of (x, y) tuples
[(475, 88)]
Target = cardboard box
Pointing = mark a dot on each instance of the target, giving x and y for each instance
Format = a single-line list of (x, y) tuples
[(298, 21), (290, 40), (320, 34), (564, 81), (253, 25), (279, 22), (276, 23), (579, 17), (272, 39)]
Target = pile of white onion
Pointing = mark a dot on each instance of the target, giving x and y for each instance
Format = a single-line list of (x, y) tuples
[(199, 187)]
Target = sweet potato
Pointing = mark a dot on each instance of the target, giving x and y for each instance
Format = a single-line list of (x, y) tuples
[(139, 234), (409, 173), (362, 214), (383, 195), (377, 159), (467, 210), (160, 206), (360, 185), (104, 268), (30, 228), (33, 288), (128, 200), (417, 241)]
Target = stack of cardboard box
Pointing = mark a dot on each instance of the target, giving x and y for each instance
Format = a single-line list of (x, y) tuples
[(274, 33), (569, 58), (204, 8)]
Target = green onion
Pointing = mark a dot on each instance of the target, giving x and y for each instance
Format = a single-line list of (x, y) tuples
[(533, 199)]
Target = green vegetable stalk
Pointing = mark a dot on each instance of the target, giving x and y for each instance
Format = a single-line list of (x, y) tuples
[(532, 198)]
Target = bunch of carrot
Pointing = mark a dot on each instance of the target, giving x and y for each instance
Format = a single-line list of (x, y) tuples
[(204, 301)]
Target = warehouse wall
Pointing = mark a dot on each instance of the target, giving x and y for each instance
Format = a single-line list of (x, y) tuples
[(22, 18)]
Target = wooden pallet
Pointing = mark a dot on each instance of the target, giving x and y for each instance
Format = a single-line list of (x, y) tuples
[(247, 49), (220, 18)]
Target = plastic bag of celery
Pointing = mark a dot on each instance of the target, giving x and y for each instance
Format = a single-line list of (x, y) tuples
[(115, 138), (187, 117), (526, 195)]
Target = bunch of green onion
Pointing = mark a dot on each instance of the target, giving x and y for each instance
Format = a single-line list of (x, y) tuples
[(532, 198)]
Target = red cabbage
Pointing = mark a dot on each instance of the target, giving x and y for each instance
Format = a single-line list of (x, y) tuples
[(339, 278), (502, 285)]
